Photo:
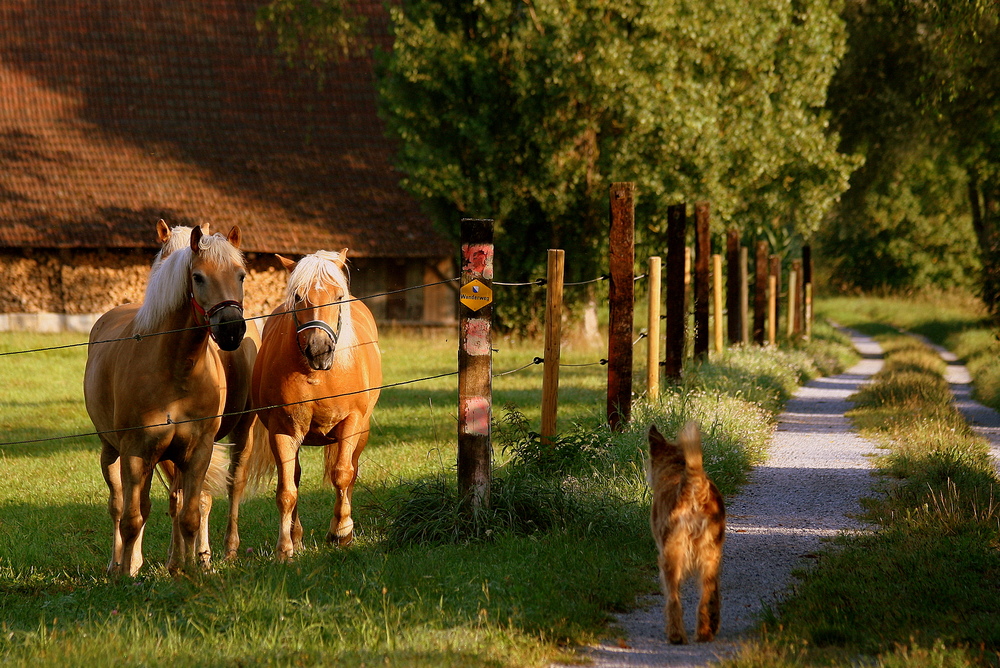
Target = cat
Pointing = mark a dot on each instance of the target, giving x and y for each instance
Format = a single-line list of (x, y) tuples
[(688, 520)]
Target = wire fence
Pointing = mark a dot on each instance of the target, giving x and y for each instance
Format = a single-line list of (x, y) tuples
[(169, 422)]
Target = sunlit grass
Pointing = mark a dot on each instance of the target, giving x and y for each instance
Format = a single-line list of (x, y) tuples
[(509, 598)]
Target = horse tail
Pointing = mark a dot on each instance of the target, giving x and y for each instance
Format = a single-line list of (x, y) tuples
[(217, 477), (259, 463)]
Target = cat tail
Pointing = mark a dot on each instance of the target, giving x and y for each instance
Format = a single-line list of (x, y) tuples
[(690, 441)]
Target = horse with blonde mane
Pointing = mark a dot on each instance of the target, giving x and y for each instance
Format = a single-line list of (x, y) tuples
[(316, 382), (155, 389), (228, 471)]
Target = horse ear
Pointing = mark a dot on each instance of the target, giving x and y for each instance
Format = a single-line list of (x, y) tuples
[(341, 261), (235, 236), (289, 265), (196, 235), (162, 231), (206, 228)]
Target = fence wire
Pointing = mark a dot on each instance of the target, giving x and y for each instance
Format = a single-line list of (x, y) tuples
[(169, 422)]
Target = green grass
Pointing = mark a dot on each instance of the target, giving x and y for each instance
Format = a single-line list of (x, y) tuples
[(567, 547), (921, 588)]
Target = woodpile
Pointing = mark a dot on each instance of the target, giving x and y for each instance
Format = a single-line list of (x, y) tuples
[(84, 282)]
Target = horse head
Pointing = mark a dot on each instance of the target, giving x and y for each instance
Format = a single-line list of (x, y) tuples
[(318, 299), (217, 274)]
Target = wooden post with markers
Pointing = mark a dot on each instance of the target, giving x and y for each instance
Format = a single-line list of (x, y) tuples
[(553, 342), (475, 364), (621, 298)]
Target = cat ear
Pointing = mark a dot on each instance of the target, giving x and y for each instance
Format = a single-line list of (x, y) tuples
[(656, 441)]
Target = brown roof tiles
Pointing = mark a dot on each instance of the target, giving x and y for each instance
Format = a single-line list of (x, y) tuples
[(114, 114)]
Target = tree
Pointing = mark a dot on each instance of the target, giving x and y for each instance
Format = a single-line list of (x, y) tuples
[(527, 111), (917, 95)]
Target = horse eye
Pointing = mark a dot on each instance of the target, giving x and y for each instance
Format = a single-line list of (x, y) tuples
[(198, 278)]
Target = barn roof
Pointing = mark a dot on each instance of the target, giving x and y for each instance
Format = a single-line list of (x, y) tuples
[(116, 114)]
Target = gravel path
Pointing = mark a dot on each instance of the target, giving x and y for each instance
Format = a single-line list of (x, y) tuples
[(806, 491), (984, 420)]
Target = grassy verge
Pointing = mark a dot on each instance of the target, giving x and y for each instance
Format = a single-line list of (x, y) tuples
[(920, 589), (566, 546)]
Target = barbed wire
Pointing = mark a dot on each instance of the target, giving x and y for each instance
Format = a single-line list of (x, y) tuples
[(140, 337)]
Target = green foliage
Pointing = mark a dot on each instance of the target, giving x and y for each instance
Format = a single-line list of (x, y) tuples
[(916, 95), (312, 34), (527, 112), (903, 225)]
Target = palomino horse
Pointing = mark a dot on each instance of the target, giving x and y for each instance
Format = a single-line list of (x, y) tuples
[(239, 423), (316, 382), (158, 393)]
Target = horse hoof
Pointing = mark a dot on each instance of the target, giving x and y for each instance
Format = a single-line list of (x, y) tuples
[(341, 541)]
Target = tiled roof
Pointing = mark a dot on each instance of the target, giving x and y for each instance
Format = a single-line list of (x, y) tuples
[(115, 114)]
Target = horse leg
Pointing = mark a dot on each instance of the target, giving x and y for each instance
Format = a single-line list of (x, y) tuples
[(111, 468), (352, 435), (187, 518), (242, 446), (296, 521), (285, 450), (201, 545), (135, 479)]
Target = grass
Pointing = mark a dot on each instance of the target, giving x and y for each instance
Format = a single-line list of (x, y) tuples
[(921, 588), (567, 546)]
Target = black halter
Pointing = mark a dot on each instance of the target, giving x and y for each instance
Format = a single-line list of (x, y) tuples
[(202, 316), (317, 324)]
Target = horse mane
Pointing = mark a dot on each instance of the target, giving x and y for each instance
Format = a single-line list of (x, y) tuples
[(168, 288), (315, 271), (180, 236)]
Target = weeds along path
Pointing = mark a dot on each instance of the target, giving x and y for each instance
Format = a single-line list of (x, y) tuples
[(808, 490)]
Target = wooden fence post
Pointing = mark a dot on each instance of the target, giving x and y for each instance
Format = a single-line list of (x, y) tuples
[(553, 342), (653, 330), (475, 364), (775, 268), (772, 310), (793, 311), (673, 362), (621, 295), (717, 301), (744, 296), (800, 298), (734, 287), (807, 279), (760, 294), (702, 253)]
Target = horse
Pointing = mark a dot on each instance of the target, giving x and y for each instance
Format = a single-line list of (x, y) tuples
[(155, 390), (239, 422), (316, 382)]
